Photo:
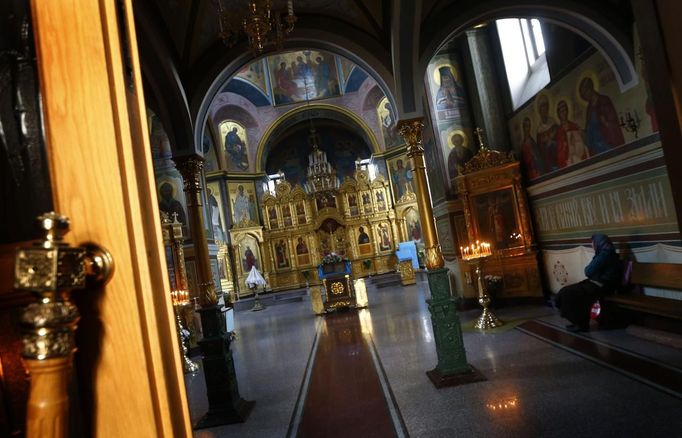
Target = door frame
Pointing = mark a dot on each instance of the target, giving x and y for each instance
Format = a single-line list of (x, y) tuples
[(102, 178)]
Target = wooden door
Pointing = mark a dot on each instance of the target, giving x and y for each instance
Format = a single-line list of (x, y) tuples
[(129, 374)]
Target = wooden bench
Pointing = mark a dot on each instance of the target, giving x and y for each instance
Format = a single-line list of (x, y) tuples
[(658, 312)]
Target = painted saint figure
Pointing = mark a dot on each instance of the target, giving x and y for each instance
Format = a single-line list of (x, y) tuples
[(385, 239), (362, 236), (602, 127), (300, 213), (236, 149), (216, 220), (280, 254), (249, 260), (388, 126), (450, 94), (531, 155), (402, 179), (242, 206), (301, 247), (546, 134), (459, 155), (169, 204), (285, 84), (570, 145)]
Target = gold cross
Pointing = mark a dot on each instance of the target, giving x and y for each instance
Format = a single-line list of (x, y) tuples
[(479, 134)]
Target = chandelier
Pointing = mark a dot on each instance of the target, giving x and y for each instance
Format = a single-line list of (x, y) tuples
[(260, 23), (321, 175)]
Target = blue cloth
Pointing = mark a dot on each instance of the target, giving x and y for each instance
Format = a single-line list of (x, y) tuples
[(408, 251)]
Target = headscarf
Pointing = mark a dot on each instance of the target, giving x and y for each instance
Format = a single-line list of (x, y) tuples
[(602, 243)]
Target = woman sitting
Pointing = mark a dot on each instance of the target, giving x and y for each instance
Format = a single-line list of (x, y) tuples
[(603, 275)]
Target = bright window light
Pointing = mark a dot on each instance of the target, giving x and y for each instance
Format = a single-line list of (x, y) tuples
[(523, 50), (537, 36)]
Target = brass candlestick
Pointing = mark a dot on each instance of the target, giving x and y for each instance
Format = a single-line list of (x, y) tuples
[(478, 252), (487, 320), (257, 305), (180, 302)]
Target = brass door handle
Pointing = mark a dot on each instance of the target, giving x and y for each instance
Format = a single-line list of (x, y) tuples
[(51, 269)]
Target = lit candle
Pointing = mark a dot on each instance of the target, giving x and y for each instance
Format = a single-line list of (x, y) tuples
[(290, 7)]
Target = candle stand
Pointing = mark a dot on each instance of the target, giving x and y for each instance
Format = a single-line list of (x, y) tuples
[(257, 305), (180, 303), (477, 254)]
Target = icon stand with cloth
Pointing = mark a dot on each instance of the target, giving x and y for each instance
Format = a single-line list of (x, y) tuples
[(254, 280)]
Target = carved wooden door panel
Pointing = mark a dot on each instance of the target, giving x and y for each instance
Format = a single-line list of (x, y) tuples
[(129, 374)]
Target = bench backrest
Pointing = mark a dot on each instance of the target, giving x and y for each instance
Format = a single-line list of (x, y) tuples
[(659, 275)]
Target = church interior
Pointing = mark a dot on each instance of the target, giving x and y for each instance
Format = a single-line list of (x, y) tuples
[(339, 218)]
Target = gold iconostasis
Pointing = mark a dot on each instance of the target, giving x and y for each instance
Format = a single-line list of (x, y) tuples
[(285, 234)]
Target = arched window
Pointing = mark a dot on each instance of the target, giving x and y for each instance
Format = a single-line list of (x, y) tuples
[(523, 50)]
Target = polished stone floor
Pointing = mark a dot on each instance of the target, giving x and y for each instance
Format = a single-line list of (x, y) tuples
[(539, 381)]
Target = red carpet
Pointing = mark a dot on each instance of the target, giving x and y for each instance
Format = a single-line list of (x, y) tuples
[(345, 397)]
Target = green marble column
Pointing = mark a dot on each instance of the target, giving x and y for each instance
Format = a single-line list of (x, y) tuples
[(452, 368)]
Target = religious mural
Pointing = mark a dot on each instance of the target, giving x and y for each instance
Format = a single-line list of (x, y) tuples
[(211, 163), (281, 251), (460, 150), (414, 229), (450, 111), (302, 251), (495, 218), (216, 213), (384, 234), (172, 200), (341, 145), (578, 117), (234, 145), (255, 74), (243, 202), (400, 171), (363, 239), (303, 75), (387, 120), (432, 156), (346, 68), (249, 253)]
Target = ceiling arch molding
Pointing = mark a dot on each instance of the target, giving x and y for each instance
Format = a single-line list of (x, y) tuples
[(162, 80), (236, 113), (303, 113), (586, 21), (368, 57)]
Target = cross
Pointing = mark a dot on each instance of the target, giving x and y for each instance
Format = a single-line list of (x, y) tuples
[(479, 134)]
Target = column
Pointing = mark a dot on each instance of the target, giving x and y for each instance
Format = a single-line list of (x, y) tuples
[(225, 405), (452, 368), (489, 89)]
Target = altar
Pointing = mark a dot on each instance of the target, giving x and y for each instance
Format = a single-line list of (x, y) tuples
[(335, 277)]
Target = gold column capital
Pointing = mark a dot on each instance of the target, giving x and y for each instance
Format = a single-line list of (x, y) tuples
[(190, 168), (411, 130)]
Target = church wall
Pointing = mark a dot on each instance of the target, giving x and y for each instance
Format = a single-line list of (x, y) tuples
[(585, 178)]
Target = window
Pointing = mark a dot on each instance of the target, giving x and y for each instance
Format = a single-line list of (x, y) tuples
[(366, 164), (521, 39), (272, 182)]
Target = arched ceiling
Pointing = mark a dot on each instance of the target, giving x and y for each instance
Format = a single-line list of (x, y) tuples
[(343, 144), (391, 39), (320, 113)]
